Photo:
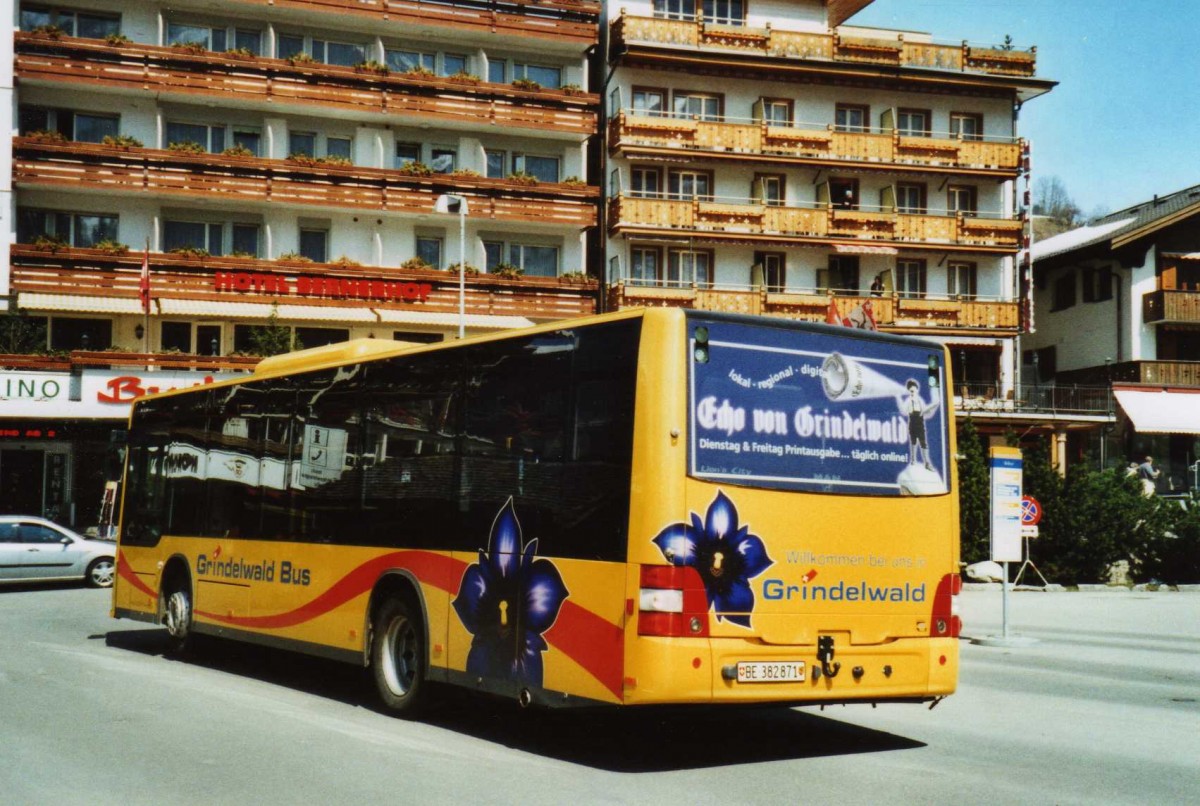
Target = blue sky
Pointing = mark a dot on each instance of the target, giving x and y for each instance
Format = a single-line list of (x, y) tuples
[(1124, 122)]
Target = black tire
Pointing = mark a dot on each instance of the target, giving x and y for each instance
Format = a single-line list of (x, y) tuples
[(101, 572), (177, 616), (398, 656)]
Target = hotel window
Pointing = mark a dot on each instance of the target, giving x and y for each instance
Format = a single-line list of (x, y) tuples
[(961, 280), (74, 229), (320, 336), (689, 267), (841, 276), (961, 199), (534, 260), (644, 266), (725, 12), (216, 238), (843, 193), (697, 105), (910, 278), (440, 159), (544, 169), (442, 64), (645, 182), (175, 336), (72, 22), (675, 9), (1064, 291), (496, 162), (774, 269), (314, 244), (852, 118), (345, 54), (218, 39), (688, 184), (429, 249), (1097, 284), (306, 144), (649, 101), (967, 126), (776, 112), (910, 198), (769, 189), (501, 71), (214, 139), (82, 127), (913, 122), (80, 334)]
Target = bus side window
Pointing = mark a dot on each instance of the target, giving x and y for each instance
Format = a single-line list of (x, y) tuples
[(409, 452)]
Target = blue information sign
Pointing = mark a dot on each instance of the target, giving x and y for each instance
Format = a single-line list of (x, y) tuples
[(816, 410)]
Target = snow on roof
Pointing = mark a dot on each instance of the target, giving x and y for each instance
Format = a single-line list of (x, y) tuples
[(1080, 236)]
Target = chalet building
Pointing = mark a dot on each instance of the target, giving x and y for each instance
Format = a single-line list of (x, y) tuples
[(1118, 306), (183, 173), (771, 158)]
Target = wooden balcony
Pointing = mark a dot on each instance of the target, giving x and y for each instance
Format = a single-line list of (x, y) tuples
[(179, 74), (629, 32), (92, 274), (1171, 307), (644, 135), (213, 177), (824, 224), (563, 20), (893, 314)]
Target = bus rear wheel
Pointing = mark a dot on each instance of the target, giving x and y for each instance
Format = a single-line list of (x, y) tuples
[(398, 656)]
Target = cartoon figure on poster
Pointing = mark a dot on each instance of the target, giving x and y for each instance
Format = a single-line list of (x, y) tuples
[(845, 379)]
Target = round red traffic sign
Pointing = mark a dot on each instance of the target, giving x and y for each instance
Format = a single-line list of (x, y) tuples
[(1031, 511)]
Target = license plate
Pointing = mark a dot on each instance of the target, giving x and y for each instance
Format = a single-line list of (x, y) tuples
[(788, 671)]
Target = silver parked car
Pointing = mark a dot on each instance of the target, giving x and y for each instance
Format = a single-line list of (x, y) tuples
[(37, 550)]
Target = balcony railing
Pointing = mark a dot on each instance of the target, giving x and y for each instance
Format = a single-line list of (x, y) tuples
[(95, 167), (176, 72), (111, 282), (1160, 307), (887, 51), (80, 359), (563, 20), (821, 223), (985, 398), (731, 138), (897, 314)]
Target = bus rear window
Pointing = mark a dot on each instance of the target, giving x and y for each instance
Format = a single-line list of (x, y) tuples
[(796, 408)]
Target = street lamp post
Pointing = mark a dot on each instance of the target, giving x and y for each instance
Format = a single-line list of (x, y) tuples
[(450, 203)]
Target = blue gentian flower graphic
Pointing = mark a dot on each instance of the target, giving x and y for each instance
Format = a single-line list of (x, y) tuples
[(726, 555), (506, 601)]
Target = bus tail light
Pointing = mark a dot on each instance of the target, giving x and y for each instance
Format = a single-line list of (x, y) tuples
[(946, 621), (672, 602)]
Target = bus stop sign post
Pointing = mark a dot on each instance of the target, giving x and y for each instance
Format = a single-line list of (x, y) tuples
[(1006, 511)]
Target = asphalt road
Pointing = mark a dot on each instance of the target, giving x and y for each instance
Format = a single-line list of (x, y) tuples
[(1105, 708)]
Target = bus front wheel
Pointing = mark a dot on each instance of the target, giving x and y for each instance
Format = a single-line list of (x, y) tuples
[(177, 617), (398, 656)]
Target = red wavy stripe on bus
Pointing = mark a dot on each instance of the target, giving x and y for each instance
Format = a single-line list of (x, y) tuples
[(126, 572), (594, 643), (586, 638), (431, 569)]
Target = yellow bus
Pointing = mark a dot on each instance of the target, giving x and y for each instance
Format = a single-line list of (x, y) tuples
[(646, 507)]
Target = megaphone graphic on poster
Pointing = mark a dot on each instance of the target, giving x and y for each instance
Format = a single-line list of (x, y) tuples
[(847, 379)]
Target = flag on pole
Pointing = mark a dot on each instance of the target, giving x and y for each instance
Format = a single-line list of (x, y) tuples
[(144, 283)]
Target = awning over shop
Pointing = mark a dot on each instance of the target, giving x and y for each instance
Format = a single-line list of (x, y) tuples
[(1161, 411), (856, 249), (77, 304), (484, 321), (262, 310)]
